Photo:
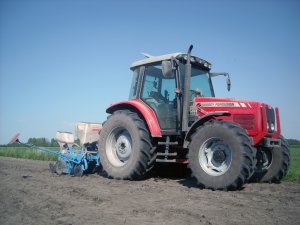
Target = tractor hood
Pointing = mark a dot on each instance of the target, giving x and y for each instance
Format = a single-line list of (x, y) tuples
[(205, 105), (217, 104), (255, 117)]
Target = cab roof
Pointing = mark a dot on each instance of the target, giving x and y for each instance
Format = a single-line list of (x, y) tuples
[(152, 59)]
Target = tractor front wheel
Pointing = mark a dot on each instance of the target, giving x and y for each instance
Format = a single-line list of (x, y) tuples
[(221, 156), (126, 150), (272, 163)]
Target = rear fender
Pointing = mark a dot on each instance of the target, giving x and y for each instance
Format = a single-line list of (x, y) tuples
[(138, 105), (199, 122)]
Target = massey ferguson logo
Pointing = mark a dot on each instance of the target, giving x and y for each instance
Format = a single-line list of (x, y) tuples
[(218, 104)]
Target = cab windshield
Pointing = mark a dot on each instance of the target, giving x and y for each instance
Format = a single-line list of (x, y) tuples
[(200, 84)]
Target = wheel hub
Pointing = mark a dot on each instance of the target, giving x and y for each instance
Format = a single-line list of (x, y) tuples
[(123, 146), (119, 147), (219, 156), (264, 159)]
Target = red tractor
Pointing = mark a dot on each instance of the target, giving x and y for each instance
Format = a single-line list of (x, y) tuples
[(173, 116)]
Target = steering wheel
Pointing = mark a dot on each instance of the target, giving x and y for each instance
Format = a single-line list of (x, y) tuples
[(196, 92), (157, 96)]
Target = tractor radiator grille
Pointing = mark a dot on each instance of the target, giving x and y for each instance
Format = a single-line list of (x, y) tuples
[(245, 120)]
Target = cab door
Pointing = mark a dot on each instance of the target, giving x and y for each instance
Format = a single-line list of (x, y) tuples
[(158, 92)]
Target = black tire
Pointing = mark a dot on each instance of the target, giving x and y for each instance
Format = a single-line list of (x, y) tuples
[(125, 147), (77, 170), (272, 163), (60, 166), (52, 167), (221, 156), (91, 167)]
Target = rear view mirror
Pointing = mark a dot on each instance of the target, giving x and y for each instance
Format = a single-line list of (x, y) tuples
[(228, 82), (167, 69)]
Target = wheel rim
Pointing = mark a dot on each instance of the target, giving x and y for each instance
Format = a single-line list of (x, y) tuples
[(265, 159), (215, 156), (119, 147)]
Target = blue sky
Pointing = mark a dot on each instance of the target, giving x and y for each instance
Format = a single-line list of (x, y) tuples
[(65, 61)]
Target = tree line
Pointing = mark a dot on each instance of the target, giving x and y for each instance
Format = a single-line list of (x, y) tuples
[(293, 141), (42, 142)]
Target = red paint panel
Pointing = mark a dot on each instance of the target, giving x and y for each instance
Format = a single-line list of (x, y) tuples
[(145, 110), (250, 115)]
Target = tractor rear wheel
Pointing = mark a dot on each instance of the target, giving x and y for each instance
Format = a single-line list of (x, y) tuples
[(272, 163), (221, 156), (126, 151)]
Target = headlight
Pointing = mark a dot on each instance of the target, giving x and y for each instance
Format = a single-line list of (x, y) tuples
[(271, 120), (272, 127)]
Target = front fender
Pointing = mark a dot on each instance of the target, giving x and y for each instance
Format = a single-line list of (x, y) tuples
[(199, 122), (139, 106)]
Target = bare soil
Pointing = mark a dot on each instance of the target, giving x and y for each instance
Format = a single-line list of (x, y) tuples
[(30, 194)]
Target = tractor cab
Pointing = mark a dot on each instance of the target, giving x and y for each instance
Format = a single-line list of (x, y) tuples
[(159, 82)]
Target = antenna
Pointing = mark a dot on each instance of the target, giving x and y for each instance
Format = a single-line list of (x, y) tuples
[(147, 55)]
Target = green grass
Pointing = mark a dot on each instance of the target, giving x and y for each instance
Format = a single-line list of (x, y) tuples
[(26, 153), (294, 171)]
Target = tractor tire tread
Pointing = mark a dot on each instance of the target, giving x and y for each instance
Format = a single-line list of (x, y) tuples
[(248, 153), (268, 177), (285, 164), (147, 153)]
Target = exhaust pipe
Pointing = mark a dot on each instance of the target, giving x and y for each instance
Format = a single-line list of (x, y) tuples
[(186, 91)]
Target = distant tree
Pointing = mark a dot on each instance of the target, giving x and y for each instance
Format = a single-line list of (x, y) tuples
[(31, 141), (54, 143), (293, 141), (43, 142)]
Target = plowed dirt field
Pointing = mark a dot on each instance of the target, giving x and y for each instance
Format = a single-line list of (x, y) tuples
[(30, 194)]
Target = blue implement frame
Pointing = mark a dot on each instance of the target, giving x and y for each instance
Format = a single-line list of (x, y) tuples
[(71, 160)]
